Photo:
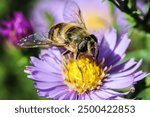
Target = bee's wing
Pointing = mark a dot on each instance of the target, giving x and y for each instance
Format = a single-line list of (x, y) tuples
[(35, 40), (72, 14)]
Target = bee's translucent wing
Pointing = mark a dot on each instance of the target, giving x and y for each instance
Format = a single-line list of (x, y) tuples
[(72, 13), (35, 40)]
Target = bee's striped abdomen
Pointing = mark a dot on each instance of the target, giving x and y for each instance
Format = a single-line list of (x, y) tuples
[(57, 31), (67, 34), (54, 28)]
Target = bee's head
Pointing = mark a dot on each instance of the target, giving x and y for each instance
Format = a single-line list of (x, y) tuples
[(88, 45)]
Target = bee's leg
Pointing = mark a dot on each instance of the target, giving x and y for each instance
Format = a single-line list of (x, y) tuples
[(97, 54), (64, 59), (66, 52), (76, 56), (80, 71)]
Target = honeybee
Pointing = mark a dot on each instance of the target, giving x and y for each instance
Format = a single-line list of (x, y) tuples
[(71, 35)]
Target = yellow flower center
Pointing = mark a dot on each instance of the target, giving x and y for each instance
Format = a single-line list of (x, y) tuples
[(83, 74)]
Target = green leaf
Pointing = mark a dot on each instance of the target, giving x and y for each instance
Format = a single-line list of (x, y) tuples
[(3, 5), (145, 94), (2, 72), (137, 12), (148, 81), (138, 54), (130, 19), (148, 42)]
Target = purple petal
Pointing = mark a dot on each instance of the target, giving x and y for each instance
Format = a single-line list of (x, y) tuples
[(113, 59), (112, 50), (52, 93), (81, 97), (116, 93), (51, 52), (119, 83), (102, 94), (52, 7), (117, 98), (111, 38), (141, 5), (87, 97), (47, 85), (52, 62), (107, 94), (84, 96), (128, 72), (55, 67), (122, 67), (108, 46), (122, 45), (16, 28), (122, 22), (94, 97), (40, 76), (140, 77), (34, 70), (71, 96), (62, 96), (5, 32), (7, 24)]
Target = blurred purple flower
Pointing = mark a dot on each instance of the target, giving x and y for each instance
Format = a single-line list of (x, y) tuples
[(15, 28), (96, 13), (60, 79), (142, 5)]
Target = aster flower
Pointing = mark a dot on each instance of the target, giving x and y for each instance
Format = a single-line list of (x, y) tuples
[(104, 78), (15, 28), (96, 13)]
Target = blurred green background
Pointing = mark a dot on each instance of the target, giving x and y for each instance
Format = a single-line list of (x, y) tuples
[(14, 83)]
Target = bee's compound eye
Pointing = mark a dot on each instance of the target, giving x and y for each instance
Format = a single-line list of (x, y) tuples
[(87, 38), (93, 37), (93, 49), (82, 47)]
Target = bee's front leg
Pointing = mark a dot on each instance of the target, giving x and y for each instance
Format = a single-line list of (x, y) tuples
[(76, 55), (66, 52), (97, 55)]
